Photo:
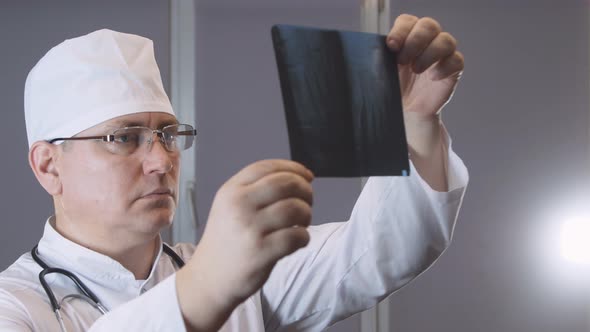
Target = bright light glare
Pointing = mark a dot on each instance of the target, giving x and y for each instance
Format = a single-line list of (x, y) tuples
[(575, 240)]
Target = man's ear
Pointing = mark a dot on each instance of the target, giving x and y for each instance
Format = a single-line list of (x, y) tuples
[(43, 159)]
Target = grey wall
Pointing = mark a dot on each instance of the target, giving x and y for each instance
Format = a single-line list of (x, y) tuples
[(520, 122), (28, 29)]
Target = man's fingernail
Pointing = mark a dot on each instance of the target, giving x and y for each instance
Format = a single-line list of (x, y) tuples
[(392, 43)]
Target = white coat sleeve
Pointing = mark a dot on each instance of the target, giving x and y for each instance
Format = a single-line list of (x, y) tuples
[(156, 310), (13, 315), (398, 228)]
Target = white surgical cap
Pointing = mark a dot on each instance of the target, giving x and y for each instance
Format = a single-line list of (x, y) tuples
[(87, 80)]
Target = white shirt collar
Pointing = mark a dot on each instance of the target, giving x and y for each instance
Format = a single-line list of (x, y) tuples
[(58, 251)]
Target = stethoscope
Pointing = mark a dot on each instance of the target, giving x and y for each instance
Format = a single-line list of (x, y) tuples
[(87, 295)]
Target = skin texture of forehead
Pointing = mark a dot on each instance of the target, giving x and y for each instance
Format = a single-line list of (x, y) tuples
[(154, 120)]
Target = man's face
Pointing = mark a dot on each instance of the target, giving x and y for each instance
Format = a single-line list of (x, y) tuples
[(119, 195)]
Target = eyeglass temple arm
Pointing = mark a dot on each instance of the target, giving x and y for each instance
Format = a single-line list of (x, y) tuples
[(187, 132), (106, 138)]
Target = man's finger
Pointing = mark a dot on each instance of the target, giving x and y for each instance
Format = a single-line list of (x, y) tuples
[(278, 186), (400, 31), (259, 169), (440, 48), (284, 242), (451, 65), (422, 34), (283, 214)]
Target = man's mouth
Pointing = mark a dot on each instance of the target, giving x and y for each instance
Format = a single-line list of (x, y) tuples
[(160, 192)]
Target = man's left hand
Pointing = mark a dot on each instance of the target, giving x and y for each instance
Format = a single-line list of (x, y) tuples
[(429, 64)]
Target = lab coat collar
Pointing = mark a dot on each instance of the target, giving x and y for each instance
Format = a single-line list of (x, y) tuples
[(58, 251)]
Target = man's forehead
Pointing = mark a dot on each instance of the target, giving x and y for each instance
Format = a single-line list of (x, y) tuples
[(145, 119)]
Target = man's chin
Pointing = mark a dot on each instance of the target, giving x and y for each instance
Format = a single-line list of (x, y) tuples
[(159, 216), (154, 223)]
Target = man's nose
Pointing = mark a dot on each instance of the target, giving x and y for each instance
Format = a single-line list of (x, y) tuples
[(158, 159)]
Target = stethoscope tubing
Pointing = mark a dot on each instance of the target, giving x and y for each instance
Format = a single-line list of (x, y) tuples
[(55, 305)]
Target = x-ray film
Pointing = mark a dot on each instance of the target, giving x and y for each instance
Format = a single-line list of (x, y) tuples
[(342, 102)]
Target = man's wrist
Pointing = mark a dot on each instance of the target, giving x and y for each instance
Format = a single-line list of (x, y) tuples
[(200, 308), (423, 133), (427, 148)]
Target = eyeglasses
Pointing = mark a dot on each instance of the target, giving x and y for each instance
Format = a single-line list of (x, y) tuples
[(127, 140)]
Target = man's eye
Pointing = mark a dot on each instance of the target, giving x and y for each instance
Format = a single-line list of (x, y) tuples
[(126, 138)]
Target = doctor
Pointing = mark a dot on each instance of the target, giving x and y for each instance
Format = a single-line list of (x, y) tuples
[(105, 144)]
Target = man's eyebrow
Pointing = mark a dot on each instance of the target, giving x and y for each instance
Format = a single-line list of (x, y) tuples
[(123, 124)]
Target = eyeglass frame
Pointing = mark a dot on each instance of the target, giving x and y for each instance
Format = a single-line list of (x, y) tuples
[(111, 137)]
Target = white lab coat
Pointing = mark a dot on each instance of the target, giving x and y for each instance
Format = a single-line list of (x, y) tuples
[(398, 228)]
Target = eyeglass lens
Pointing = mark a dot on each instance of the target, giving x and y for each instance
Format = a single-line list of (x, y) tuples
[(175, 138)]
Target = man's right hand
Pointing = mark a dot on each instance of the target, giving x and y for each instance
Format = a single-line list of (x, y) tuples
[(258, 216)]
